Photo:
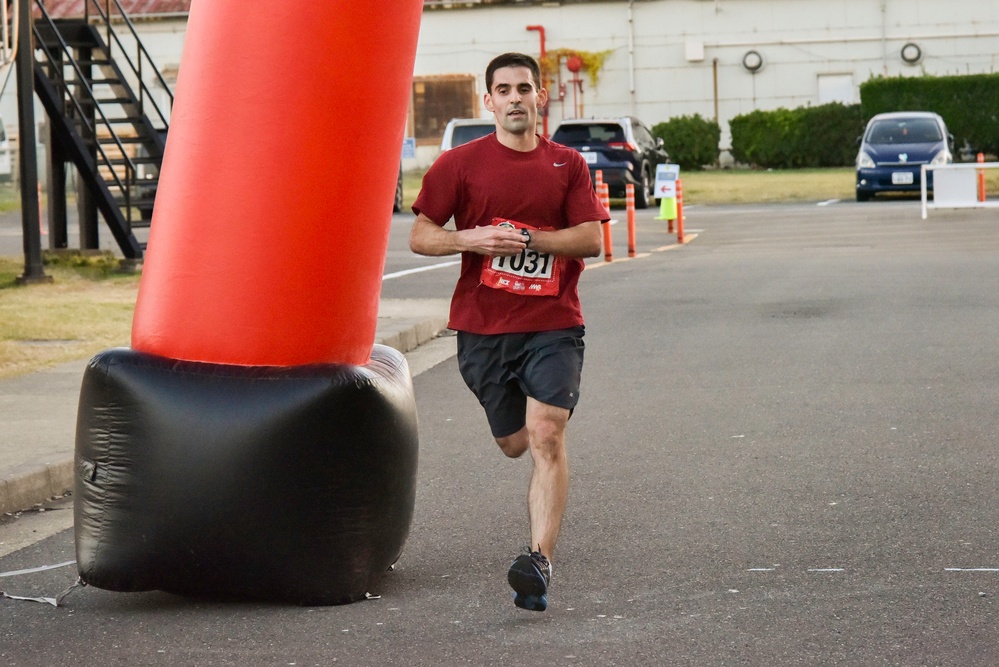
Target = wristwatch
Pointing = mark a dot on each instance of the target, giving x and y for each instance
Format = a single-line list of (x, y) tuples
[(528, 235)]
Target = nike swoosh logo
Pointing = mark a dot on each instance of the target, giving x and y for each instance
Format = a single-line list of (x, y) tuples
[(559, 164)]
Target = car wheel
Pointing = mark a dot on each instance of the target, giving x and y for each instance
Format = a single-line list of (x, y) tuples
[(863, 196), (644, 195)]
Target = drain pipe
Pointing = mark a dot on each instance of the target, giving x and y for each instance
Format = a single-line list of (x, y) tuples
[(631, 54), (884, 36), (544, 118)]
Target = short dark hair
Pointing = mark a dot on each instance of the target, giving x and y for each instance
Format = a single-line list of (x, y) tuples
[(513, 60)]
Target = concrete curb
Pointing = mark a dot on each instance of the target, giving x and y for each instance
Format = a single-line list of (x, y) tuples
[(30, 485)]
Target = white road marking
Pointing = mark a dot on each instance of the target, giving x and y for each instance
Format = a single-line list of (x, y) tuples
[(827, 202), (37, 569), (399, 274), (971, 569)]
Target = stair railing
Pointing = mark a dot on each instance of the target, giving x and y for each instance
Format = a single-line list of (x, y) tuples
[(8, 34), (8, 40), (56, 65), (102, 15)]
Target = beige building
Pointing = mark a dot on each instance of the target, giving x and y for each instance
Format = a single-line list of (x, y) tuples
[(661, 58), (717, 58)]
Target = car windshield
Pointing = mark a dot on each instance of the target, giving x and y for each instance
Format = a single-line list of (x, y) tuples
[(904, 131), (462, 134), (593, 133)]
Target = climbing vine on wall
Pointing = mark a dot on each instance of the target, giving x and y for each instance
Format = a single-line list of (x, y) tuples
[(591, 62)]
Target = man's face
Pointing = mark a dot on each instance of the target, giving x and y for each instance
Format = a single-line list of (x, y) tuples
[(515, 100)]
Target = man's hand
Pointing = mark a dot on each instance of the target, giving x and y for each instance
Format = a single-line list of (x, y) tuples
[(428, 238), (494, 241)]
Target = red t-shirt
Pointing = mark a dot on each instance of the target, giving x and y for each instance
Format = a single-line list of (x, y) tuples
[(547, 188)]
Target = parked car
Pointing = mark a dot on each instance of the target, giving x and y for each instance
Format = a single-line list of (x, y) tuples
[(623, 149), (6, 161), (460, 131), (397, 201), (148, 178), (894, 146)]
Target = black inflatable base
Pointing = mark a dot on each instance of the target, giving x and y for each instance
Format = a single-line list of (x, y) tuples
[(251, 483)]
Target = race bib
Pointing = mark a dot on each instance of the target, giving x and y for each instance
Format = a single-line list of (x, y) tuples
[(530, 273)]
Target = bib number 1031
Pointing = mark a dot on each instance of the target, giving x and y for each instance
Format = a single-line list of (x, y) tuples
[(528, 264)]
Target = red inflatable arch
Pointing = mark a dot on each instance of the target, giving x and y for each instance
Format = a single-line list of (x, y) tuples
[(254, 443), (267, 247)]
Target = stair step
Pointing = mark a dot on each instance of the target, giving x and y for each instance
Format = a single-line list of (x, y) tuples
[(134, 201), (98, 62), (145, 159), (116, 100), (125, 141), (128, 139), (115, 81)]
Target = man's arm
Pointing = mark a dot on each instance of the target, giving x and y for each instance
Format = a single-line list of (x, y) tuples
[(429, 238), (582, 240)]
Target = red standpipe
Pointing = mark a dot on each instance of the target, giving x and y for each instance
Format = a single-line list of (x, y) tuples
[(544, 84)]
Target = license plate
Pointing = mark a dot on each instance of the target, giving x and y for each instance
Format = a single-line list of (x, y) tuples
[(901, 178), (590, 157)]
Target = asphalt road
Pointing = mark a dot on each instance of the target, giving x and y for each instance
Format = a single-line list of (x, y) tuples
[(784, 455)]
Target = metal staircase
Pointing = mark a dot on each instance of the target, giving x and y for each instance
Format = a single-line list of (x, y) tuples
[(102, 110)]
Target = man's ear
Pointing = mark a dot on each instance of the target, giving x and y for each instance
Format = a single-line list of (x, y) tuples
[(487, 99), (542, 97)]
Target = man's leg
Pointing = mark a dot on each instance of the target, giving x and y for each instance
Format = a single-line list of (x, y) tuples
[(544, 435), (549, 486), (530, 573)]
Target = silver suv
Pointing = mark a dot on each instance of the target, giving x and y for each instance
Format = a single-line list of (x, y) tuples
[(623, 149)]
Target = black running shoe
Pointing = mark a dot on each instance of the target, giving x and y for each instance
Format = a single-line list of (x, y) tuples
[(529, 576)]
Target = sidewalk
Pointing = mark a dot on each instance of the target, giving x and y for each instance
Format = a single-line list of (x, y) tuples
[(38, 411)]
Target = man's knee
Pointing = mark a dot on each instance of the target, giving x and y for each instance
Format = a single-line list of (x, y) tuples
[(546, 426), (547, 433), (514, 445)]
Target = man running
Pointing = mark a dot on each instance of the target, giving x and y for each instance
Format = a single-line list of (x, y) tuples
[(525, 215)]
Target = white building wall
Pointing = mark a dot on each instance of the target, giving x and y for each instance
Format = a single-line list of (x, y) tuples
[(650, 41), (649, 72)]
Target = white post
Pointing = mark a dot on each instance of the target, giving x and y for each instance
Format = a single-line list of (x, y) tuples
[(922, 188)]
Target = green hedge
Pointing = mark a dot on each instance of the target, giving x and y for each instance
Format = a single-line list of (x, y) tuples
[(822, 136), (691, 141), (969, 104)]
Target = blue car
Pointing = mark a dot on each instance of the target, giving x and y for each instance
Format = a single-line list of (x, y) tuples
[(893, 148)]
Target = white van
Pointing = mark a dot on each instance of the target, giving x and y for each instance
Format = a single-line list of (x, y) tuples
[(460, 131)]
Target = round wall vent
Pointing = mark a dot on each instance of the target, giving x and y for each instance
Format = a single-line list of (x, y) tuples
[(752, 61), (911, 53)]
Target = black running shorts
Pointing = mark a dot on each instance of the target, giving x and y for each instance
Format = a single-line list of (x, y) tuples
[(502, 370)]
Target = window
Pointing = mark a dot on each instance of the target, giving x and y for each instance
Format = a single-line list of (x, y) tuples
[(836, 88), (643, 136), (438, 99)]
